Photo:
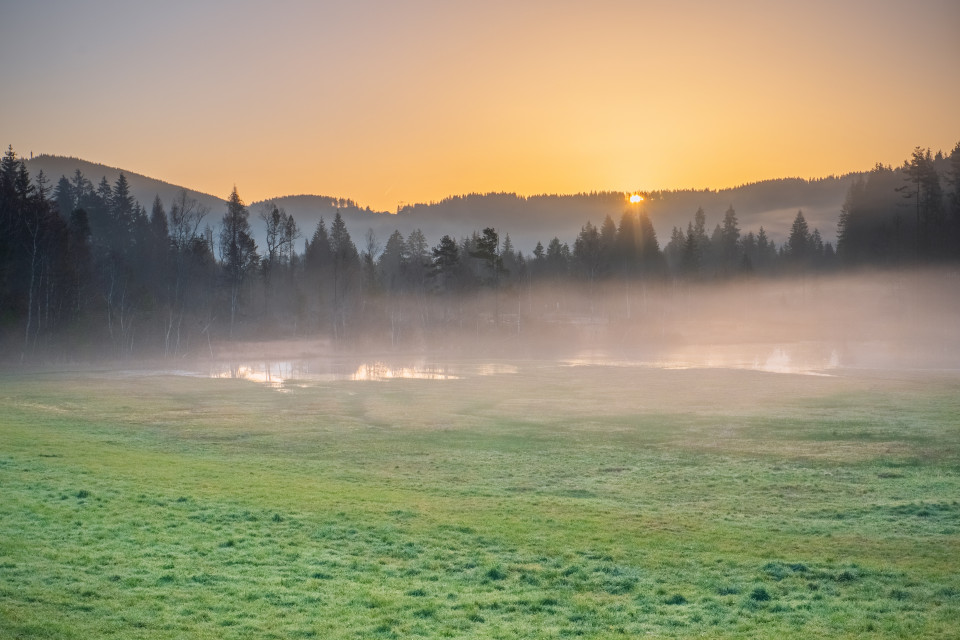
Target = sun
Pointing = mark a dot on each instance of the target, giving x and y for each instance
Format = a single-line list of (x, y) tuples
[(635, 198)]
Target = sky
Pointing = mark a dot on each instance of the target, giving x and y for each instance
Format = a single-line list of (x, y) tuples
[(390, 102)]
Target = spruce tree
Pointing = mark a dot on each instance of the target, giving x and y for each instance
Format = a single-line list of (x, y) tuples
[(238, 251), (798, 244)]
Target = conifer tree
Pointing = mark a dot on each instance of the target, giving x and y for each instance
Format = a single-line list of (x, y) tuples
[(587, 252), (446, 264), (729, 250), (345, 265), (238, 251), (798, 244)]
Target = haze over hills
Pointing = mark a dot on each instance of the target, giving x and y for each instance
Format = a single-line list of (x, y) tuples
[(527, 219), (142, 188)]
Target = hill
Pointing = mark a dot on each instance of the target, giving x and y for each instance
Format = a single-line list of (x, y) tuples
[(772, 204), (143, 188), (528, 219)]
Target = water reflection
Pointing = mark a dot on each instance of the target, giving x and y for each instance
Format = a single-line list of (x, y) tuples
[(804, 359), (273, 374), (379, 371), (815, 359), (285, 374)]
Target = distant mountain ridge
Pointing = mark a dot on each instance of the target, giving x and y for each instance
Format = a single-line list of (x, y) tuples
[(527, 219), (772, 204)]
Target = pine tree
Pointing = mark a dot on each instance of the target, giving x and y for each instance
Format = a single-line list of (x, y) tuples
[(749, 247), (608, 243), (487, 250), (924, 189), (557, 258), (953, 179), (766, 250), (345, 265), (799, 244), (158, 221), (238, 251), (419, 262), (508, 257), (63, 197), (587, 252), (690, 258), (729, 241), (122, 207), (626, 256), (538, 252), (673, 252), (317, 254), (159, 248), (392, 262), (650, 258), (446, 264)]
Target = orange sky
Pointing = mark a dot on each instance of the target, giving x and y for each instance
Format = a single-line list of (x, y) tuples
[(390, 102)]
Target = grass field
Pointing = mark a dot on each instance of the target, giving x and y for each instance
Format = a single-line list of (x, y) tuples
[(600, 502)]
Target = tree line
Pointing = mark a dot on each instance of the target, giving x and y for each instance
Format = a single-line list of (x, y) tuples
[(85, 269)]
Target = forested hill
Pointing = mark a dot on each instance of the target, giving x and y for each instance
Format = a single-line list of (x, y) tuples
[(772, 204), (143, 189), (85, 266)]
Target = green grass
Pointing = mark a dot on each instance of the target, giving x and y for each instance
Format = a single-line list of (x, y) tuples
[(558, 502)]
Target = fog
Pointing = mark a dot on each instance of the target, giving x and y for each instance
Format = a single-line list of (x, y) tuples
[(528, 220), (822, 325)]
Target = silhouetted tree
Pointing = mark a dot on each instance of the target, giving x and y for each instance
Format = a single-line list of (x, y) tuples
[(925, 191), (557, 259), (238, 251), (317, 253), (345, 265), (798, 247), (587, 252), (872, 228), (766, 251), (673, 251), (953, 179), (393, 262), (487, 250), (192, 267), (446, 264), (729, 249), (63, 197), (318, 275), (690, 260), (652, 262), (419, 260), (510, 259), (608, 245)]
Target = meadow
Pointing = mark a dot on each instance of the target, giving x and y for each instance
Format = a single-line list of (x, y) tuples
[(550, 502)]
